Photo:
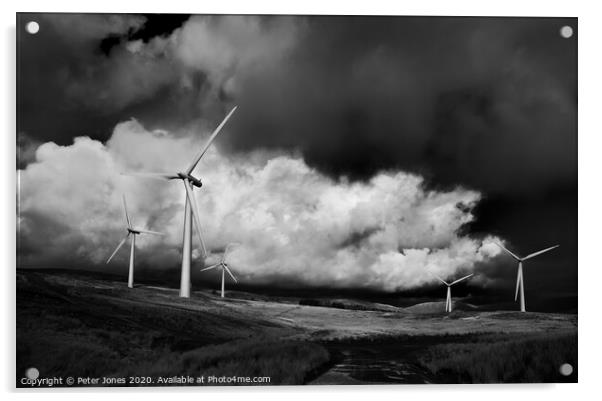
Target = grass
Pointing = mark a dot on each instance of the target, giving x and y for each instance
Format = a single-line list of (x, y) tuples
[(67, 328), (285, 363), (84, 355), (63, 333), (327, 303), (498, 358), (345, 304)]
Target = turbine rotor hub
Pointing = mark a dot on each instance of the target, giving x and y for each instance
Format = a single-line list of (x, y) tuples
[(193, 180)]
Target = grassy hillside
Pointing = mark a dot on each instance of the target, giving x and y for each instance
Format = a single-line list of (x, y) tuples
[(68, 328), (498, 358), (93, 325)]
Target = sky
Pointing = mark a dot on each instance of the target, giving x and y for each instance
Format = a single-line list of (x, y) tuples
[(365, 151)]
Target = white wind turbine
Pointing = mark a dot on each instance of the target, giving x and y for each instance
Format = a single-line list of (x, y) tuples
[(191, 208), (448, 301), (133, 232), (519, 278), (224, 266)]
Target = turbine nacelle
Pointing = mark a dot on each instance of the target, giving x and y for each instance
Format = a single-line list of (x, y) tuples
[(193, 180), (132, 231)]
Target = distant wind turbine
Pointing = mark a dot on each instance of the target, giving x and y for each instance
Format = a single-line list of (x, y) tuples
[(224, 266), (448, 301), (191, 208), (133, 232), (519, 278)]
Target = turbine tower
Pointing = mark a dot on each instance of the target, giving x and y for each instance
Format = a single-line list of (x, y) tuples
[(448, 301), (224, 266), (133, 232), (519, 278), (190, 209)]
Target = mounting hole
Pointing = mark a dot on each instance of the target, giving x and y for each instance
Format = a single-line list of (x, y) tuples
[(32, 27), (566, 31), (566, 369), (32, 373)]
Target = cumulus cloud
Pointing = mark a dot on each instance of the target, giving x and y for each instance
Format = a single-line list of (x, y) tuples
[(294, 224)]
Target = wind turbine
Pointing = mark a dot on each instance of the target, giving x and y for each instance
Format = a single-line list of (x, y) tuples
[(448, 301), (519, 278), (224, 266), (191, 208), (133, 232)]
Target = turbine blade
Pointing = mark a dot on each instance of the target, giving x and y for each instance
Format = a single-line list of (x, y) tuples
[(463, 278), (227, 249), (210, 267), (230, 273), (148, 232), (198, 157), (510, 253), (125, 207), (118, 246), (438, 278), (518, 280), (157, 176), (195, 213), (540, 252)]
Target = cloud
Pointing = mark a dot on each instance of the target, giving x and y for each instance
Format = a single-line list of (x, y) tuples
[(75, 29), (356, 95), (92, 80), (294, 224), (26, 148), (225, 47), (70, 86)]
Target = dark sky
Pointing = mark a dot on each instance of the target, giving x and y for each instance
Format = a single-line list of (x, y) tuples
[(485, 103)]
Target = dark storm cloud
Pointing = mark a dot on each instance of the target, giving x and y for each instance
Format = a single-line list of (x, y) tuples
[(484, 102), (75, 76)]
